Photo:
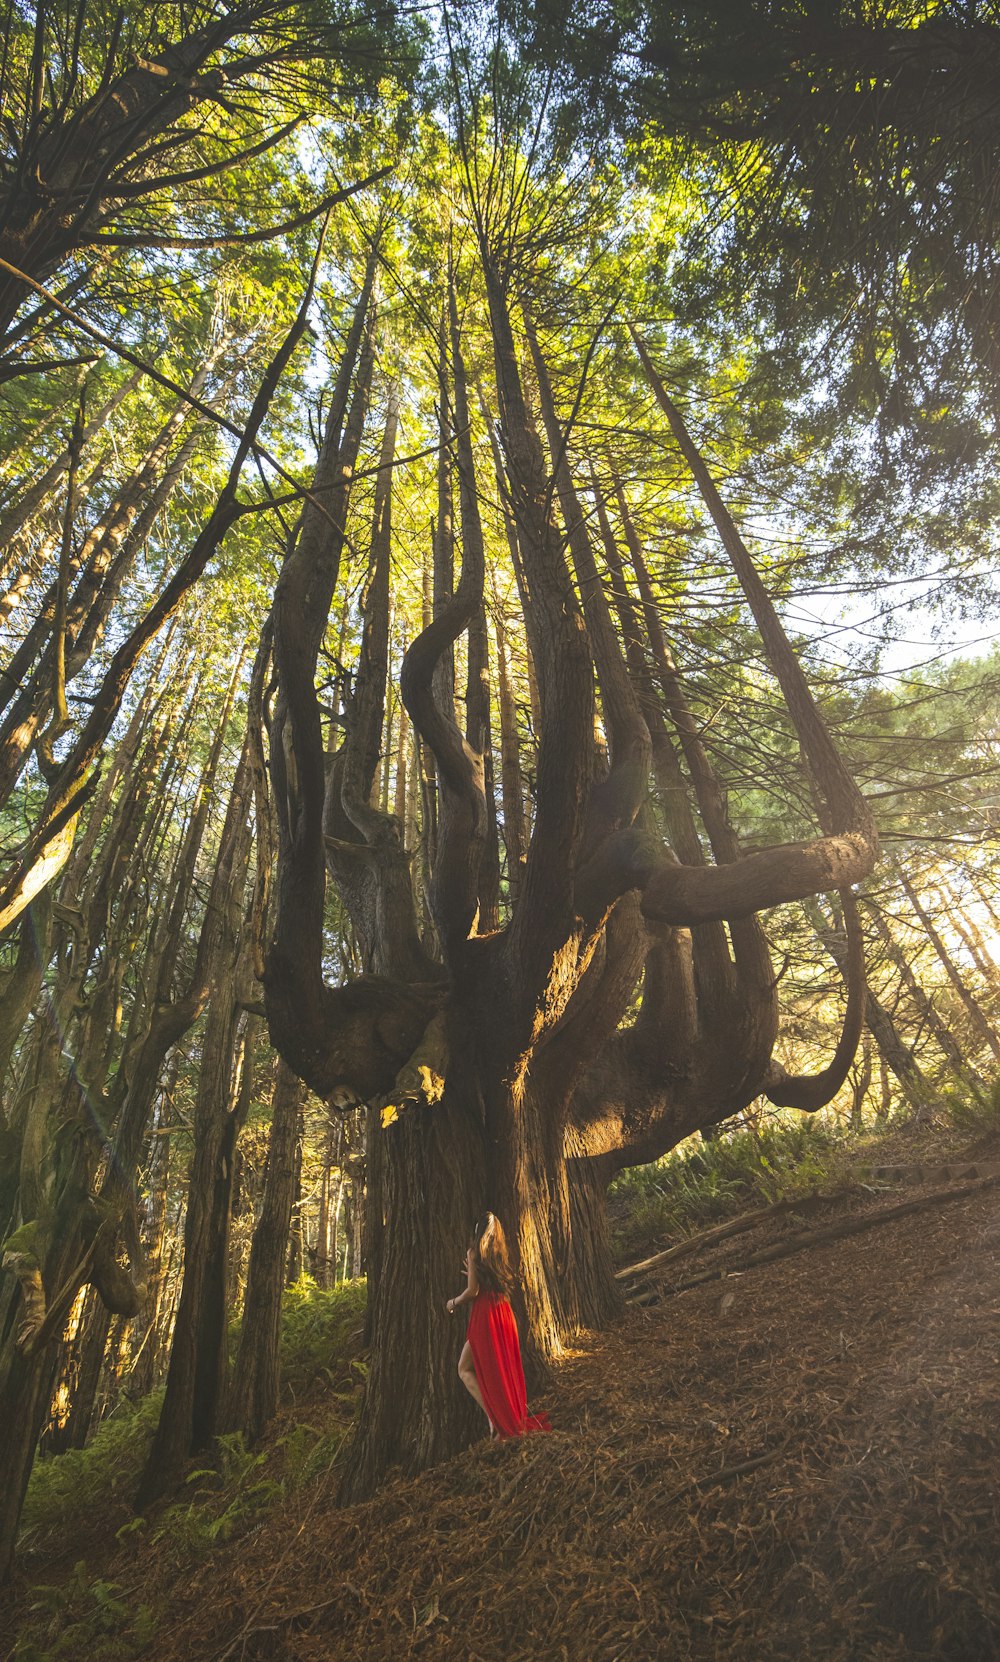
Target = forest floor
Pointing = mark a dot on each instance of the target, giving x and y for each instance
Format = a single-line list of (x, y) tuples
[(796, 1461)]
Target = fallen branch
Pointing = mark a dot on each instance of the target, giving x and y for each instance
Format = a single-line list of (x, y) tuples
[(723, 1231), (728, 1474), (835, 1232)]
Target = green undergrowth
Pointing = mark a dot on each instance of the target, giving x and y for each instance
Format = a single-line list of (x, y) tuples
[(69, 1493), (704, 1182), (84, 1494), (748, 1165), (321, 1336), (975, 1115)]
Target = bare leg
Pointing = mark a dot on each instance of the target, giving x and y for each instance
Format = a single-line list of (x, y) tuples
[(467, 1374)]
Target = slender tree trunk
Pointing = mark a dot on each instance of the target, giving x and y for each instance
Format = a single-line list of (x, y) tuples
[(860, 1085), (885, 1092), (295, 1258), (192, 1401), (926, 1009), (31, 499), (146, 1366), (971, 937), (977, 1016), (892, 1050), (253, 1399), (512, 783)]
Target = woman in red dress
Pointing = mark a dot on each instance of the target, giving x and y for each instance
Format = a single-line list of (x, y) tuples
[(490, 1364)]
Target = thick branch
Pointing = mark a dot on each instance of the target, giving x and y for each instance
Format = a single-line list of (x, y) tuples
[(615, 800), (847, 809), (299, 618), (462, 822), (810, 1093), (686, 895), (364, 843), (562, 657)]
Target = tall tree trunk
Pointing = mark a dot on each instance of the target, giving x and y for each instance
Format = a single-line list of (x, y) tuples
[(31, 499), (253, 1399), (878, 1020), (415, 1413), (925, 1006), (512, 784), (192, 1399), (977, 1016)]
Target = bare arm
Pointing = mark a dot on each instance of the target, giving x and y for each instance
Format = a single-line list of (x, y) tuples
[(471, 1284)]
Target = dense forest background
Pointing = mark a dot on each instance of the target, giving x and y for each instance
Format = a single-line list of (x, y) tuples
[(497, 526)]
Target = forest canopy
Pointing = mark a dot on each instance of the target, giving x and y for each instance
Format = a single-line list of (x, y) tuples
[(497, 540)]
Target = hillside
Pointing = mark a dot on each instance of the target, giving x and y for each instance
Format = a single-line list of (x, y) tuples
[(798, 1464)]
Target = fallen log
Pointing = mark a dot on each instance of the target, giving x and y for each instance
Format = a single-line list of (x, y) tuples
[(806, 1238), (723, 1231)]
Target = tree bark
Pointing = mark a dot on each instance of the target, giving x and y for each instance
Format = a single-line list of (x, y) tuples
[(194, 1383), (253, 1399)]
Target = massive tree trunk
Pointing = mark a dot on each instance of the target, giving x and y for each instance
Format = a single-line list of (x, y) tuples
[(431, 1182), (499, 1076)]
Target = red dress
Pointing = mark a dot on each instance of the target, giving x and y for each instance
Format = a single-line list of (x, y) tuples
[(496, 1352)]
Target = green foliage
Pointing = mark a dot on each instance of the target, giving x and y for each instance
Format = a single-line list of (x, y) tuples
[(225, 1496), (74, 1494), (975, 1116), (701, 1182), (308, 1451), (321, 1335), (84, 1617), (69, 1491)]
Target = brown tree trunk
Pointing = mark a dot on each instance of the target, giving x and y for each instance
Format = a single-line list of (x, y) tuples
[(512, 784), (926, 1009), (977, 1016), (860, 1084), (253, 1398), (194, 1383), (103, 564), (32, 498), (416, 1411), (879, 1022)]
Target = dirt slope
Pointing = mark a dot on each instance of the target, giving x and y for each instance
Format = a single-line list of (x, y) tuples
[(859, 1385)]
